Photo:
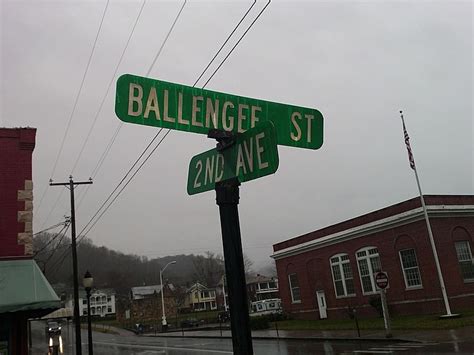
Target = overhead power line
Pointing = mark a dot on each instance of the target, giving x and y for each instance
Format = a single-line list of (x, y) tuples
[(225, 42), (80, 90), (154, 149), (49, 228), (58, 244), (124, 186), (108, 88), (121, 181), (237, 43), (65, 225), (114, 136), (75, 102), (101, 160)]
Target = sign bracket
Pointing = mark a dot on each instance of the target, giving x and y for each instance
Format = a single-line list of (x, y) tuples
[(225, 139)]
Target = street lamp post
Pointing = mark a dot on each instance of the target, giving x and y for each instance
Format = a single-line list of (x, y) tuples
[(163, 319), (88, 282)]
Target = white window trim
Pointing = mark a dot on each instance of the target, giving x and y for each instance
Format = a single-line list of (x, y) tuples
[(291, 288), (409, 288), (371, 272), (472, 259), (343, 279)]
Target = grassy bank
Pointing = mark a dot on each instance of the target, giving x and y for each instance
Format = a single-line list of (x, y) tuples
[(398, 323)]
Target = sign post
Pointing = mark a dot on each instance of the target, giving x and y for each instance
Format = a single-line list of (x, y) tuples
[(247, 131), (381, 279), (227, 198)]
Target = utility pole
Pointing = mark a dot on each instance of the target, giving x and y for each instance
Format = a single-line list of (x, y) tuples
[(71, 185)]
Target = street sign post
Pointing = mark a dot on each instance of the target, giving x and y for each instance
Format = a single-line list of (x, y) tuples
[(381, 279), (159, 103), (248, 131), (253, 155)]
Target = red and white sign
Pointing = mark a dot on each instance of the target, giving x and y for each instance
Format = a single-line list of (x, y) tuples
[(381, 279)]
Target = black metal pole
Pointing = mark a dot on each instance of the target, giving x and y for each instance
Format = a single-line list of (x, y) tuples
[(356, 321), (77, 319), (89, 324), (227, 198)]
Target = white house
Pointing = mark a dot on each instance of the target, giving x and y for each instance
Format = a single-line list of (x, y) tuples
[(102, 302)]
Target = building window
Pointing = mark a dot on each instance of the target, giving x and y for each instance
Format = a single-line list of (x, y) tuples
[(342, 275), (411, 272), (294, 288), (109, 298), (263, 286), (369, 263), (84, 301), (466, 262), (109, 309)]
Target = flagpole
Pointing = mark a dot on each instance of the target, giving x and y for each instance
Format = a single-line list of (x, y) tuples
[(428, 225)]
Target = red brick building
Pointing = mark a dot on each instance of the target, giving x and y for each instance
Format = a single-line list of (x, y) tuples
[(24, 291), (16, 191), (329, 271)]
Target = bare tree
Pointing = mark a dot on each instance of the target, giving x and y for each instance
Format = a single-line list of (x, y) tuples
[(248, 267), (209, 268)]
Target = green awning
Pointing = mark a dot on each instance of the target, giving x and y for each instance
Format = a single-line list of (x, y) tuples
[(23, 287)]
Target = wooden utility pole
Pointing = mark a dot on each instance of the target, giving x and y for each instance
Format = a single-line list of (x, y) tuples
[(77, 320)]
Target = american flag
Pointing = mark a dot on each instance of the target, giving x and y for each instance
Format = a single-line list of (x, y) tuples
[(407, 143)]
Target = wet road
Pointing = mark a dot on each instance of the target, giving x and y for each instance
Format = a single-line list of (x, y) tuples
[(141, 345)]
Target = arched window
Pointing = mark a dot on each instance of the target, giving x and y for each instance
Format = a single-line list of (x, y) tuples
[(411, 272), (465, 259), (369, 263), (294, 288), (462, 243), (342, 275)]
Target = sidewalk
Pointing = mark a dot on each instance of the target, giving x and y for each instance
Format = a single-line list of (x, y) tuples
[(461, 334)]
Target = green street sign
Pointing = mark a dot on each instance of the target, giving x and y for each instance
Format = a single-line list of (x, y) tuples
[(253, 155), (159, 103)]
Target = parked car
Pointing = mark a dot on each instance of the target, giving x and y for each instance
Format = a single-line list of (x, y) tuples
[(138, 328), (223, 316), (189, 323)]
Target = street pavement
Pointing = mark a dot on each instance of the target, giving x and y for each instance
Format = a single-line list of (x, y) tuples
[(119, 341)]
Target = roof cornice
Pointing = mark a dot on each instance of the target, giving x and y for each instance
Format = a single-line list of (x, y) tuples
[(397, 220)]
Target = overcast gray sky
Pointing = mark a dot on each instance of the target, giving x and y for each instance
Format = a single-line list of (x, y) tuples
[(356, 62)]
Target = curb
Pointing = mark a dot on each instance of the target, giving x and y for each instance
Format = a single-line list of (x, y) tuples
[(295, 338)]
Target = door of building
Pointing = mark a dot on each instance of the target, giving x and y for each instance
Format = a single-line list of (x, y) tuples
[(322, 304)]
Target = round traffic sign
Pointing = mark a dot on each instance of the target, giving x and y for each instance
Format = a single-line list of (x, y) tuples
[(381, 279)]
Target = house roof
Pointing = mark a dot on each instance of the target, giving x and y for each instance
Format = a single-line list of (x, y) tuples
[(143, 291), (260, 278), (198, 286)]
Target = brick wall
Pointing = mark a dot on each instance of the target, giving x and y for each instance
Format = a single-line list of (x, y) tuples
[(314, 272), (148, 310), (16, 191)]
